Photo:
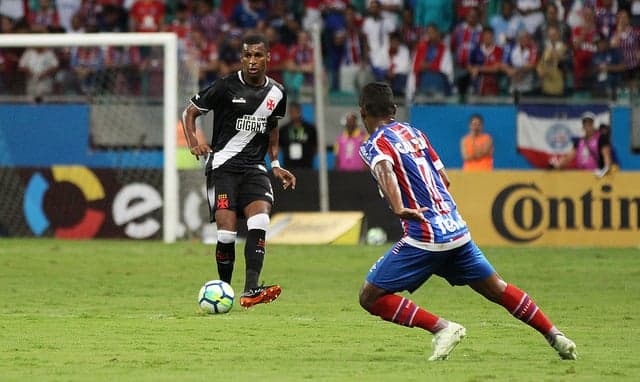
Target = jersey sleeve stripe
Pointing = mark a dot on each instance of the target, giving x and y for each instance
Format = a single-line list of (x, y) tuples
[(379, 159), (199, 108)]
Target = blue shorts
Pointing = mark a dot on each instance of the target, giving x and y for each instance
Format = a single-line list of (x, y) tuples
[(405, 267)]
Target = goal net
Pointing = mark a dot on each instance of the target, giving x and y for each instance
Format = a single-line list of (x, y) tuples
[(88, 127)]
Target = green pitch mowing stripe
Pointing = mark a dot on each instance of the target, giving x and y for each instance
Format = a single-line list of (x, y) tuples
[(126, 310)]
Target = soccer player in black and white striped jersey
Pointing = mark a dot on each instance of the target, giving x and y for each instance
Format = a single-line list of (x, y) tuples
[(247, 105)]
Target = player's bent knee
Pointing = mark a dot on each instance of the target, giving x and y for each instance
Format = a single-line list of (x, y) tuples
[(258, 221), (226, 236), (367, 298)]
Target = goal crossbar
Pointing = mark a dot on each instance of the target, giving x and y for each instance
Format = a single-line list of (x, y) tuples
[(170, 69)]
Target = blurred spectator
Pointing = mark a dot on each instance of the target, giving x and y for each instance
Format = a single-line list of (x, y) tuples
[(493, 8), (634, 15), (66, 9), (606, 68), (352, 64), (438, 12), (248, 14), (227, 7), (299, 66), (278, 53), (13, 9), (476, 147), (123, 70), (181, 26), (590, 152), (298, 140), (376, 31), (6, 24), (89, 13), (521, 64), (583, 40), (507, 24), (627, 39), (408, 30), (333, 13), (40, 65), (113, 19), (551, 68), (146, 15), (551, 18), (312, 13), (333, 17), (204, 53), (570, 12), (65, 80), (150, 70), (230, 53), (14, 79), (397, 67), (285, 22), (485, 65), (390, 9), (88, 63), (605, 12), (3, 87), (605, 130), (462, 8), (347, 146), (43, 17), (531, 12), (465, 38), (211, 21), (433, 64), (77, 26)]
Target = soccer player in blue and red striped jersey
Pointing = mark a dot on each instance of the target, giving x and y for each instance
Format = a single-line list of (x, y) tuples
[(436, 239)]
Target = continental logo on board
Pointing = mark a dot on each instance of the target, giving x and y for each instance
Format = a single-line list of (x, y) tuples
[(523, 212), (550, 208)]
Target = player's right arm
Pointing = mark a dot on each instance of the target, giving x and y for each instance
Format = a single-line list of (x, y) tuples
[(189, 116), (388, 183), (210, 98)]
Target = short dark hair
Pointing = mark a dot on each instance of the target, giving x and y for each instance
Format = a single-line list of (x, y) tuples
[(254, 39), (376, 99), (478, 117)]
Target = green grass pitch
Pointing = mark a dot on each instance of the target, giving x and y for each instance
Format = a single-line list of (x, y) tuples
[(126, 310)]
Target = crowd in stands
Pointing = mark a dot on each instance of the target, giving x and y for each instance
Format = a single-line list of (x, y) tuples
[(427, 47)]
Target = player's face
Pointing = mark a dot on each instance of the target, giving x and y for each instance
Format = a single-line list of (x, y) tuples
[(254, 62)]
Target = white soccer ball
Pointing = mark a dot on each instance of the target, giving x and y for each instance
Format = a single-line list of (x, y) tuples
[(376, 236), (216, 296)]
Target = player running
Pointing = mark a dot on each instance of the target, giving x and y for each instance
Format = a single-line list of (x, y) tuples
[(246, 105), (436, 239)]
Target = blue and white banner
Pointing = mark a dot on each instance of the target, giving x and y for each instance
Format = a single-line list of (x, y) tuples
[(548, 131)]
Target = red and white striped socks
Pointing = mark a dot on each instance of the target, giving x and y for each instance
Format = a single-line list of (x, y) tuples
[(402, 311), (522, 307)]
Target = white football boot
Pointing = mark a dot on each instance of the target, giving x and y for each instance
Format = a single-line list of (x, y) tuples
[(565, 347), (445, 340)]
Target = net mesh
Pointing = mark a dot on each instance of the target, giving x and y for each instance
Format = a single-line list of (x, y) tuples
[(81, 142)]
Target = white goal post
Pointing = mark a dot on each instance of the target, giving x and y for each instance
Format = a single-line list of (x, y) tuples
[(169, 43)]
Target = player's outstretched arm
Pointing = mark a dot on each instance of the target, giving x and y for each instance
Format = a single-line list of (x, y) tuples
[(189, 116), (388, 183)]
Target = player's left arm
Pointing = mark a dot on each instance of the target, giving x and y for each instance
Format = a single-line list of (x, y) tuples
[(386, 178), (285, 176)]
